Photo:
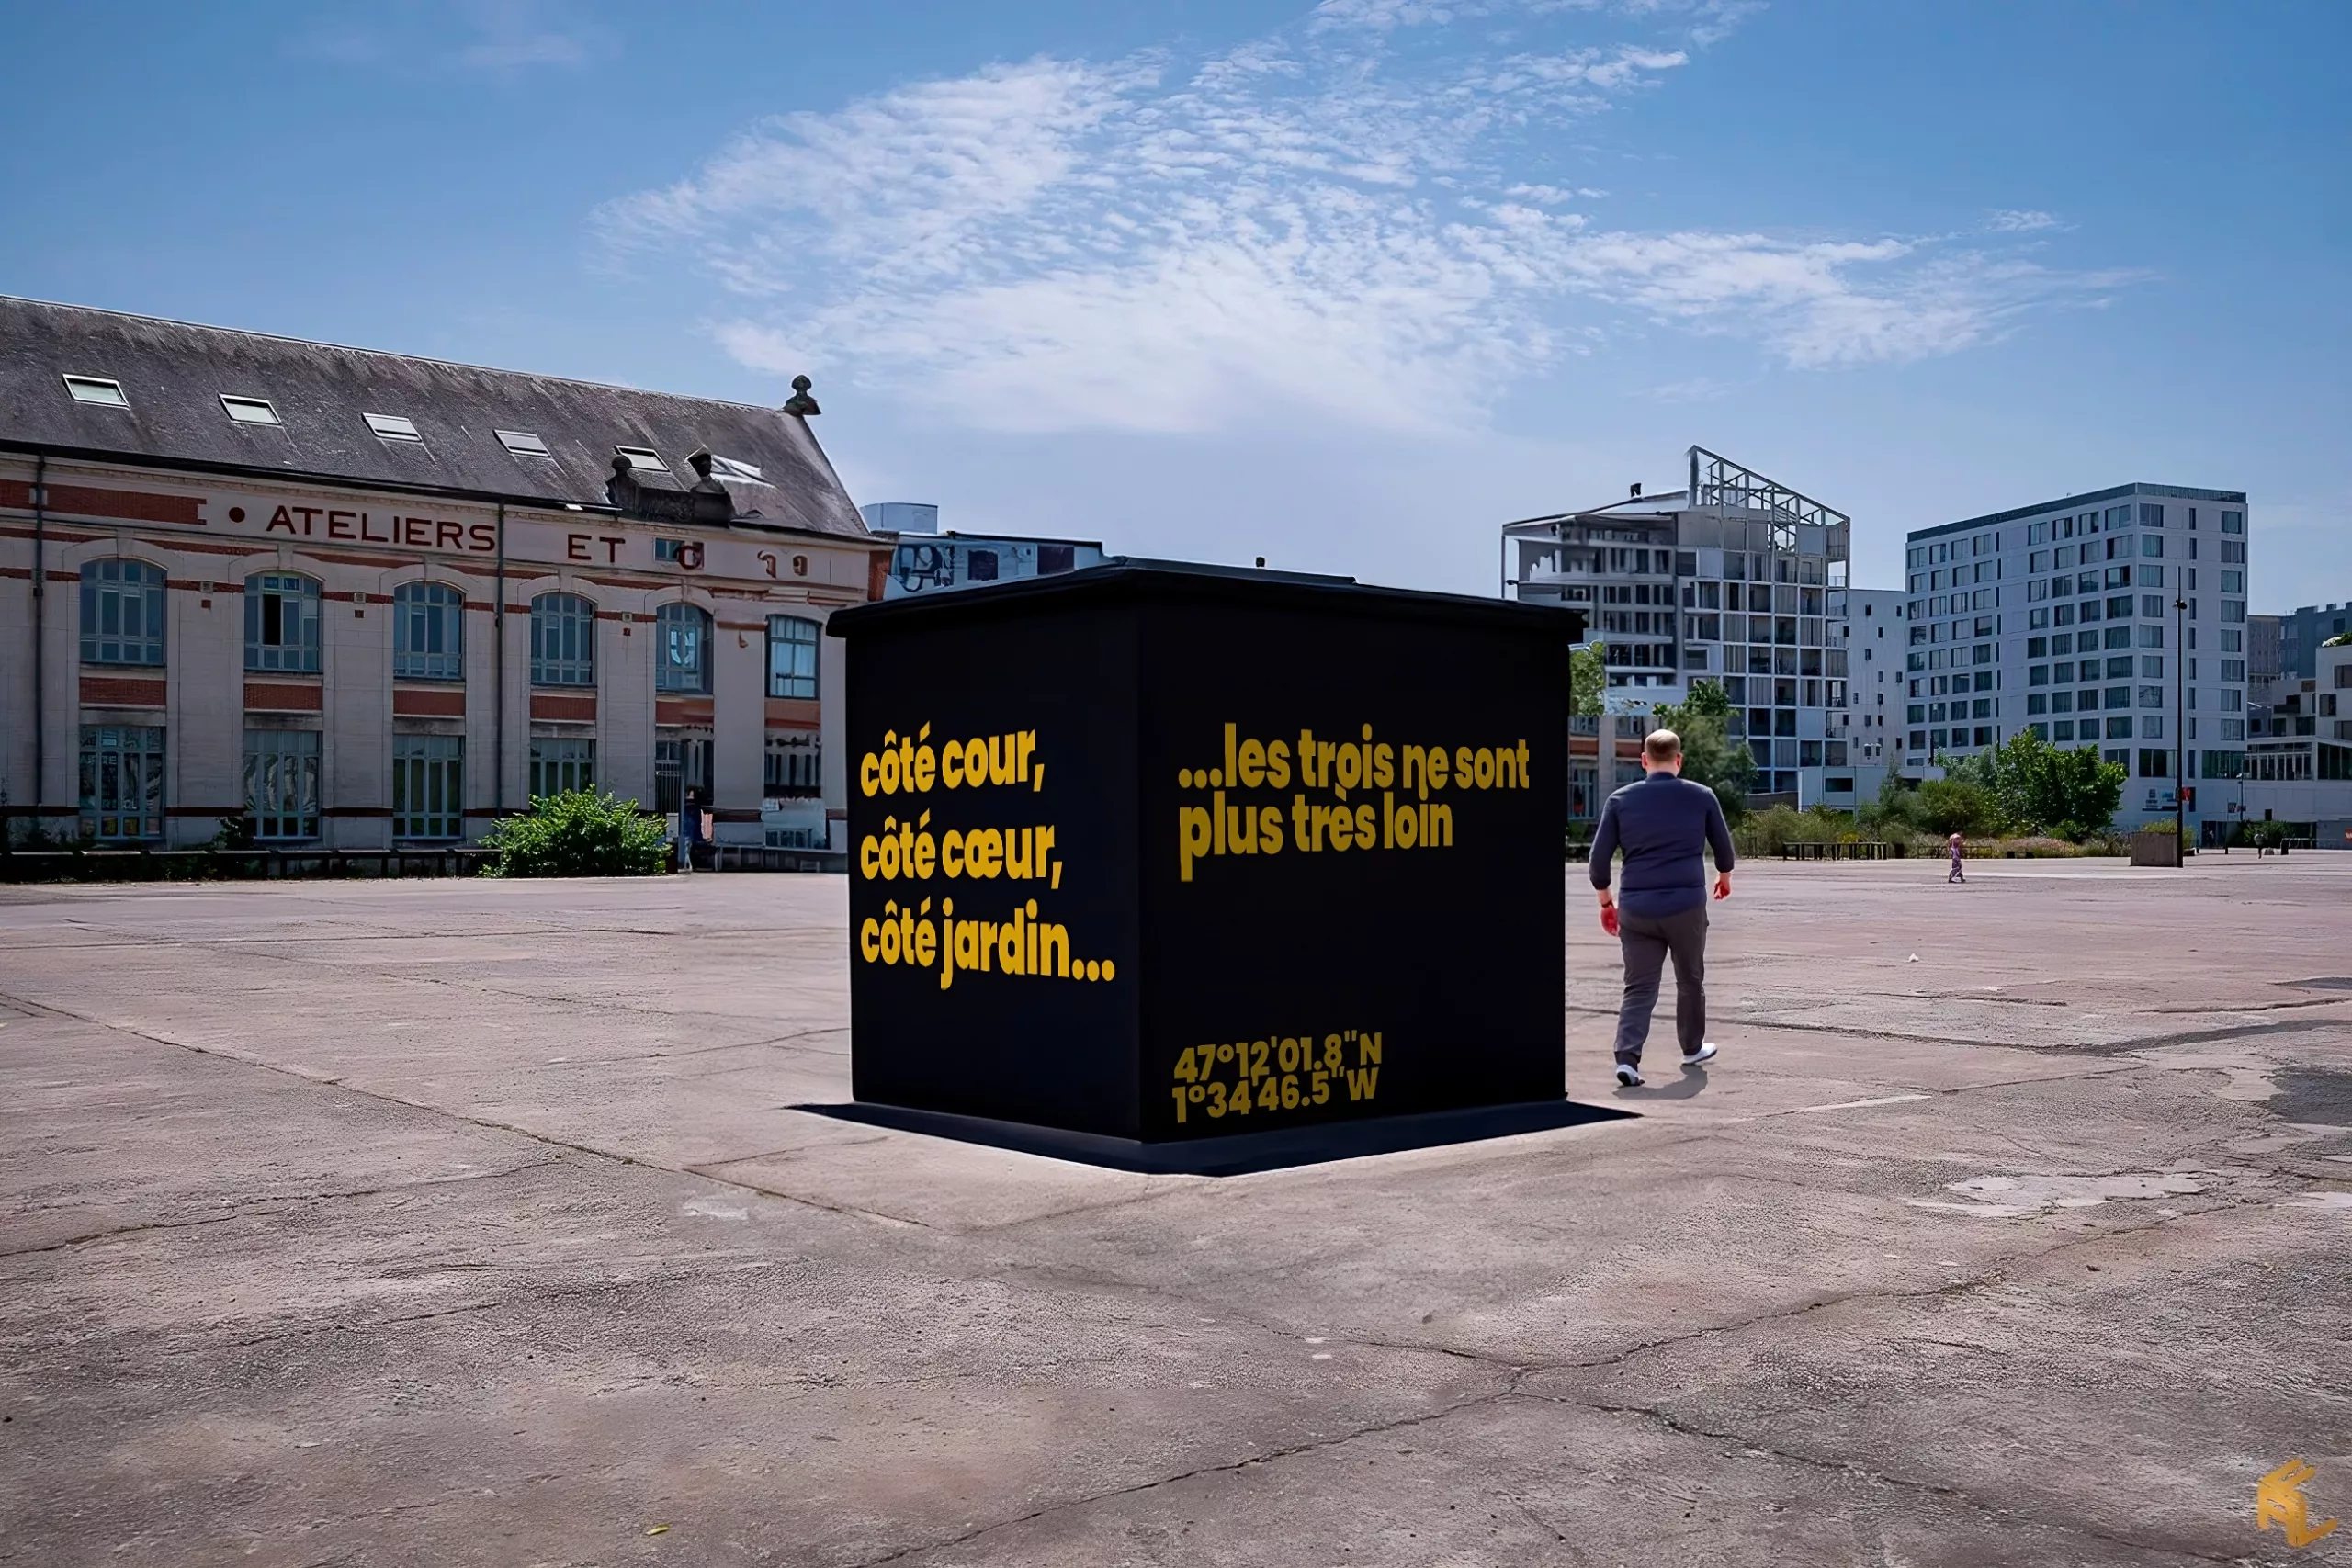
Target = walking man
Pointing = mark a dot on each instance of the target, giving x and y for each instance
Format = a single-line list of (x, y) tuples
[(1663, 825), (1956, 845)]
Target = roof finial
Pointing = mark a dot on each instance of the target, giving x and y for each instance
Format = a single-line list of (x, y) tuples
[(800, 402)]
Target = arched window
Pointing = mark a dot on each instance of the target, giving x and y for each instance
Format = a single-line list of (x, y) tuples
[(281, 622), (792, 656), (683, 663), (563, 640), (428, 632), (122, 612)]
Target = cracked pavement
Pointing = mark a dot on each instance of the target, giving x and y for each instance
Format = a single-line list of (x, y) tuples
[(460, 1223)]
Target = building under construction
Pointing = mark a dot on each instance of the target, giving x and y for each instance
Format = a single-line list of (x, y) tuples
[(1736, 579)]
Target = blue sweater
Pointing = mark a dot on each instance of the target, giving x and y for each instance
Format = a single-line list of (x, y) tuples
[(1663, 824)]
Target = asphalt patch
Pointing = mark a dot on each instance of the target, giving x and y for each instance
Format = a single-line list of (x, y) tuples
[(2313, 1097)]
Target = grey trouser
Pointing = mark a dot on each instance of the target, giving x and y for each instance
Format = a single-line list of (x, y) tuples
[(1646, 942)]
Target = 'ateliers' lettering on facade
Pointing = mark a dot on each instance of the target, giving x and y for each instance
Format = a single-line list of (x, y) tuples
[(528, 538), (362, 528)]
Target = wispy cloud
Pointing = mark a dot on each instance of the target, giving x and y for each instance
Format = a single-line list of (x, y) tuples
[(495, 37), (1341, 217), (1551, 195), (2019, 221)]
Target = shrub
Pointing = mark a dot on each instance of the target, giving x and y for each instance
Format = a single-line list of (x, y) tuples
[(2038, 848), (578, 833), (1957, 806), (1768, 833)]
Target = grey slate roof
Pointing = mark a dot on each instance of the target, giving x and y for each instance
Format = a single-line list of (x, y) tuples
[(173, 375)]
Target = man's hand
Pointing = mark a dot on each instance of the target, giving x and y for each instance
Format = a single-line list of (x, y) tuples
[(1722, 885), (1609, 919)]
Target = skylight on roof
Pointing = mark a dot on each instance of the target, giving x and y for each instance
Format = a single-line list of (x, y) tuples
[(523, 443), (96, 389), (644, 459), (250, 411), (734, 468), (393, 427)]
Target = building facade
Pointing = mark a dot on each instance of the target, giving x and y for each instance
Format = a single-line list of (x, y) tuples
[(927, 560), (2299, 758), (2301, 633), (2115, 619), (1872, 635), (368, 599), (2265, 680), (1734, 579)]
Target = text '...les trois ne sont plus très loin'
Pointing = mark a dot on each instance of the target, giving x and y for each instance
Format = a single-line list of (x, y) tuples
[(1232, 820)]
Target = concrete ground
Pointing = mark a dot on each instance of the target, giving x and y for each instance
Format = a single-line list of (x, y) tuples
[(463, 1223)]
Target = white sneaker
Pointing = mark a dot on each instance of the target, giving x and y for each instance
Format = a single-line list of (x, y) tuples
[(1703, 1054), (1628, 1077)]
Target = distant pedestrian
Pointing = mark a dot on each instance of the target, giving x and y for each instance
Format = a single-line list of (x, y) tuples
[(1663, 824), (1956, 846), (689, 831)]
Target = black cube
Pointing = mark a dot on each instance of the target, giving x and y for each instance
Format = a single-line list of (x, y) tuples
[(1181, 868)]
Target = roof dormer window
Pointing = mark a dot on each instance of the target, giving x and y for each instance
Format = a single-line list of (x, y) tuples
[(523, 443), (392, 427), (643, 459), (96, 389), (250, 411)]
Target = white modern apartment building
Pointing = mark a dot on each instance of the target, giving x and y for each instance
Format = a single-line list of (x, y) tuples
[(2299, 759), (1873, 638), (1735, 579), (930, 560), (2114, 618)]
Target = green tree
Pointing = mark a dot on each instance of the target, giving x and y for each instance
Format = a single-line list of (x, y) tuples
[(1710, 755), (1707, 700), (2064, 791), (1959, 805), (2032, 786), (1587, 678), (579, 833), (1897, 810)]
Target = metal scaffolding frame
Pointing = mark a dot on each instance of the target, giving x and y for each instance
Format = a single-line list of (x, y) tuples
[(1722, 485)]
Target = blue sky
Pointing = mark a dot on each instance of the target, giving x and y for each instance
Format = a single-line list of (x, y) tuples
[(1343, 285)]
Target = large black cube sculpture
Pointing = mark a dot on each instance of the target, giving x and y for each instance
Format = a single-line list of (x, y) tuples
[(1174, 868)]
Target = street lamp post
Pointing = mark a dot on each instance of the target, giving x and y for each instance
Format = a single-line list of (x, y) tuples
[(2179, 714)]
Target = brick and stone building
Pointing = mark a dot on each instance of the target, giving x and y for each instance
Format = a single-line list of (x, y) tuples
[(373, 599)]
